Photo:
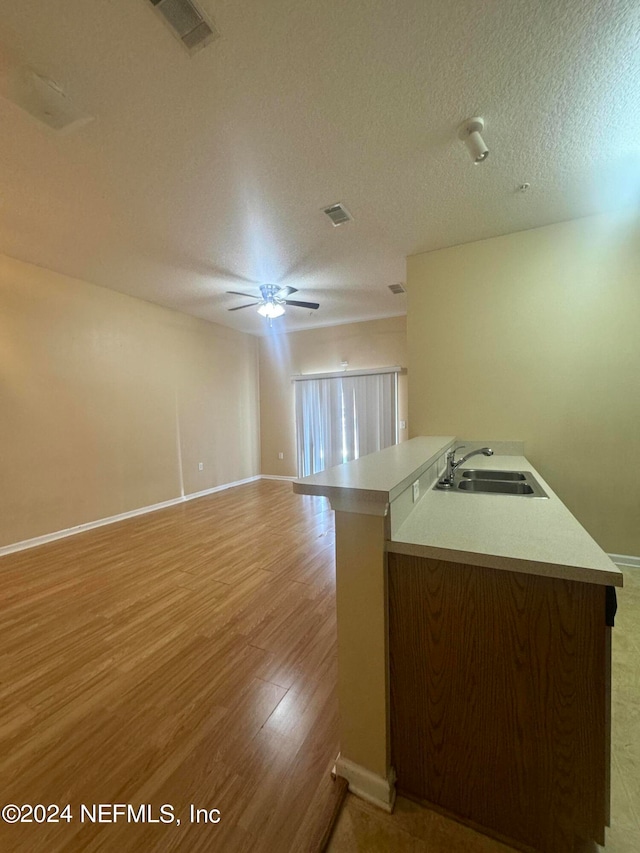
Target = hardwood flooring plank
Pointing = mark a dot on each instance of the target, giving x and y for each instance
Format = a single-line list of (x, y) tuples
[(173, 658)]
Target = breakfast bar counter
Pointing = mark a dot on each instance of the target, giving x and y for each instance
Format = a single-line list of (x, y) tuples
[(474, 644)]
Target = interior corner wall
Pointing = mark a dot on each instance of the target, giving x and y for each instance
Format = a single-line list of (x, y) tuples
[(108, 403), (536, 336), (373, 343)]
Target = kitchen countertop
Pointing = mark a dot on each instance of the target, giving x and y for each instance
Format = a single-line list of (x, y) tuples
[(379, 477), (533, 535)]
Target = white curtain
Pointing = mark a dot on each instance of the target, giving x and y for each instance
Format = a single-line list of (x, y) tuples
[(342, 418)]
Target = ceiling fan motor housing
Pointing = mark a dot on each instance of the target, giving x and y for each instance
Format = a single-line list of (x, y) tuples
[(274, 293)]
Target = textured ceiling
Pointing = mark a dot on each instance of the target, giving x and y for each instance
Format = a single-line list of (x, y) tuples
[(209, 173)]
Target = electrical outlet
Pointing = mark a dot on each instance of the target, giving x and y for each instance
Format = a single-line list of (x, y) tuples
[(280, 455), (403, 424), (200, 466), (416, 490)]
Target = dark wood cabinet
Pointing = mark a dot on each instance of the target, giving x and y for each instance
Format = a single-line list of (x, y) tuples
[(500, 698)]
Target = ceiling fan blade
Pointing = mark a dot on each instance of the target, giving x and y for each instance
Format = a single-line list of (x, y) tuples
[(238, 307), (301, 304), (237, 293), (286, 291)]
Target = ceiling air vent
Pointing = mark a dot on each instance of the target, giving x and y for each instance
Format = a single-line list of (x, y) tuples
[(397, 288), (187, 22), (42, 98), (338, 214)]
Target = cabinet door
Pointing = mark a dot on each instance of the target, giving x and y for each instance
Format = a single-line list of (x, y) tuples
[(499, 691)]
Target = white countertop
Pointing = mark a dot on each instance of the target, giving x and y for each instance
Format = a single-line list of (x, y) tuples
[(533, 535), (378, 478)]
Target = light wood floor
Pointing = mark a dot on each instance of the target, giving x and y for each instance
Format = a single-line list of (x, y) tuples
[(185, 656)]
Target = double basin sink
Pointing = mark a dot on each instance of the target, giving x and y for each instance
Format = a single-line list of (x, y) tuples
[(498, 483)]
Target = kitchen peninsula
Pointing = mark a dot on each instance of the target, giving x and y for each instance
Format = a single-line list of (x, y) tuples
[(474, 639)]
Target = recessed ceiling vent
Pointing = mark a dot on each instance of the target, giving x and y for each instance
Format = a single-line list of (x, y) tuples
[(338, 214), (187, 22), (397, 288)]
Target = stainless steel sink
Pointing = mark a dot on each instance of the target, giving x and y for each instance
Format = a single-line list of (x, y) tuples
[(474, 474), (504, 487), (480, 481)]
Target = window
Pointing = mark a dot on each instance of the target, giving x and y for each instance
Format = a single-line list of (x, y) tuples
[(343, 417)]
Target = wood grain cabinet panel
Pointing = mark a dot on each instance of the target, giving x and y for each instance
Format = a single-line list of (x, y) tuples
[(499, 690)]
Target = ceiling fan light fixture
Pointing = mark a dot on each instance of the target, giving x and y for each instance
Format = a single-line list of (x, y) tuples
[(271, 310), (273, 301)]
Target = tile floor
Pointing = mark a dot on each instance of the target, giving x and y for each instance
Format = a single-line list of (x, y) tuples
[(413, 829)]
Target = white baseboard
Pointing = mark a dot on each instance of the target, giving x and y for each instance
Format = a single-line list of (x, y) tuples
[(219, 488), (368, 786), (112, 519), (277, 477), (625, 560)]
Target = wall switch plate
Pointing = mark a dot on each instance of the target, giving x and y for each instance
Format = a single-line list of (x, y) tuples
[(403, 424), (200, 466), (280, 455), (416, 490)]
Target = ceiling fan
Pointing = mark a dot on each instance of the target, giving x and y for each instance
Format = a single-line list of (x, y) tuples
[(272, 300)]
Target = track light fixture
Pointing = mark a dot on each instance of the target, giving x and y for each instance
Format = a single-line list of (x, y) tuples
[(469, 133)]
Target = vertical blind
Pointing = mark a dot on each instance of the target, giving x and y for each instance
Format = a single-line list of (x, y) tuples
[(341, 418)]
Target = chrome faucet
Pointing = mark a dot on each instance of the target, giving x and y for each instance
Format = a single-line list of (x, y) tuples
[(446, 482)]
